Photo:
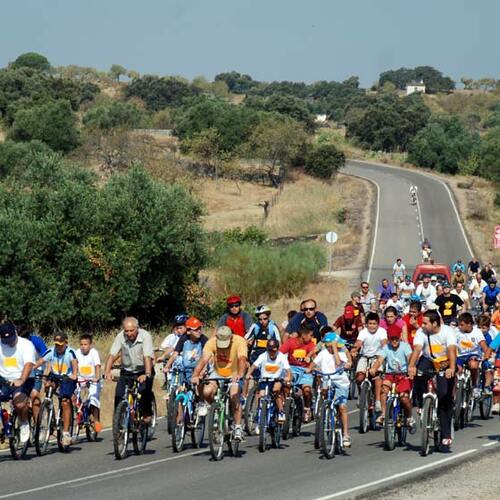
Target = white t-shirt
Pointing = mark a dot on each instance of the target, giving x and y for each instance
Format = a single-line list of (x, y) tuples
[(272, 368), (326, 364), (170, 341), (13, 359), (406, 290), (425, 292), (463, 295), (372, 342), (439, 342), (468, 343), (476, 288), (398, 271), (87, 363)]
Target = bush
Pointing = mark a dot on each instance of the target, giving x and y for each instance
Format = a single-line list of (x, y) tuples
[(32, 60), (114, 115), (81, 254), (15, 156), (490, 155), (324, 161), (264, 273), (496, 200)]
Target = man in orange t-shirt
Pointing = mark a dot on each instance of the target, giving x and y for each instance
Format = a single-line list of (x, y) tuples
[(413, 320)]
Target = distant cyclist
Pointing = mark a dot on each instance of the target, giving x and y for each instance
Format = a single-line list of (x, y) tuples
[(235, 317), (458, 265), (398, 271), (490, 294), (413, 194), (170, 341)]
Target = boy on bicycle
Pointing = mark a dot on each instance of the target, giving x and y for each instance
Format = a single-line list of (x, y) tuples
[(300, 351), (89, 370), (61, 361), (272, 364), (329, 360)]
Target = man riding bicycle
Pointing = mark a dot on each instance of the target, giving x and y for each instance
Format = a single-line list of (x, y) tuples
[(434, 352), (490, 294), (238, 320), (308, 316), (135, 346), (227, 353), (17, 359)]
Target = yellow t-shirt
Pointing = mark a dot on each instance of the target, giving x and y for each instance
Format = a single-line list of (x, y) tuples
[(226, 360)]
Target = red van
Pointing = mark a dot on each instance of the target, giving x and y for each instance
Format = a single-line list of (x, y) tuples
[(441, 271)]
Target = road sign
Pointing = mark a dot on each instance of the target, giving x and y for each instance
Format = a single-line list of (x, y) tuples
[(496, 237), (332, 237)]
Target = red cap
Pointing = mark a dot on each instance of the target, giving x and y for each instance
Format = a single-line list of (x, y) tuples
[(233, 299), (193, 323)]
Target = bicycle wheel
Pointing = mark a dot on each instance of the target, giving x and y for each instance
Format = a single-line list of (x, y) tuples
[(90, 431), (276, 430), (17, 449), (250, 412), (289, 416), (77, 424), (44, 427), (120, 430), (458, 413), (363, 409), (402, 429), (171, 408), (353, 386), (327, 427), (389, 426), (154, 417), (216, 431), (470, 403), (263, 427), (198, 431), (297, 417), (427, 426), (65, 448), (317, 431), (485, 405), (179, 427)]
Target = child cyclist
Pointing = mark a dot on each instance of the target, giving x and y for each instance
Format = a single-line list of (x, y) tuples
[(273, 364), (61, 361), (89, 370), (329, 360)]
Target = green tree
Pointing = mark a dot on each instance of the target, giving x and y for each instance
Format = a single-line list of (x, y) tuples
[(324, 161), (32, 60), (434, 80), (236, 82), (443, 144), (115, 114), (490, 155), (53, 123), (116, 71), (206, 146)]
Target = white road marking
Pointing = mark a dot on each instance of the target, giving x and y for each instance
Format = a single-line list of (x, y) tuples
[(397, 476), (420, 221), (93, 481), (493, 443)]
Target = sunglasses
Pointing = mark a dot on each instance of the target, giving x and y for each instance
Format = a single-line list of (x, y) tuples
[(264, 318), (308, 309), (236, 304), (193, 329)]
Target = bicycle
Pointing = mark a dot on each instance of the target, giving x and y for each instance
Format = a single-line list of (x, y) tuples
[(317, 402), (11, 426), (128, 422), (464, 400), (366, 399), (351, 373), (250, 410), (186, 417), (330, 425), (154, 418), (430, 420), (294, 408), (82, 416), (267, 419), (220, 421), (172, 386), (485, 400), (395, 421), (50, 419)]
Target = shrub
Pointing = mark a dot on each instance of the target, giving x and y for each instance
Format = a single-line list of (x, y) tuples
[(324, 161), (114, 115), (264, 273), (496, 200)]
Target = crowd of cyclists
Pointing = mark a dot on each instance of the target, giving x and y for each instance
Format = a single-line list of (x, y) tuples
[(398, 337)]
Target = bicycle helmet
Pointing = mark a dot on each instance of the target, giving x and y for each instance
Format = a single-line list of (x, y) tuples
[(233, 299), (492, 280), (330, 338), (193, 323), (415, 298), (180, 319), (262, 309)]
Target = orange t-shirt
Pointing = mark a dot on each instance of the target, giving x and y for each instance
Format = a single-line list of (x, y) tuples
[(226, 360), (495, 319)]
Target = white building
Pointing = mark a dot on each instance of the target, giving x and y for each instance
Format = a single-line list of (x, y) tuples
[(413, 87), (320, 119)]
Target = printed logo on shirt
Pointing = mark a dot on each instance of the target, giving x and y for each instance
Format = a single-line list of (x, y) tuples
[(299, 354), (466, 344), (262, 343), (61, 369), (271, 368), (10, 362), (86, 370)]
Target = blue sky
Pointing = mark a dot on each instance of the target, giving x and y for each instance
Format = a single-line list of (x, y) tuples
[(270, 40)]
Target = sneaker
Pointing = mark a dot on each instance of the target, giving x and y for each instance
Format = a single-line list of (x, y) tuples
[(378, 406), (281, 417), (202, 409), (347, 441), (98, 427), (24, 433), (66, 439), (238, 433), (496, 409), (410, 422), (476, 393)]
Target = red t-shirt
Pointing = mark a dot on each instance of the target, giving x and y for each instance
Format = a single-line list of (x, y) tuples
[(411, 329), (297, 351), (349, 329), (396, 328), (237, 324)]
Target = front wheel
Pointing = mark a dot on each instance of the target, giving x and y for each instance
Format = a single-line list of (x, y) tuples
[(364, 421), (179, 427), (263, 426), (140, 437), (62, 447), (216, 431), (327, 430), (154, 418), (250, 412), (44, 427), (459, 417), (90, 430), (120, 430), (427, 426), (389, 426), (485, 407), (289, 416), (17, 449)]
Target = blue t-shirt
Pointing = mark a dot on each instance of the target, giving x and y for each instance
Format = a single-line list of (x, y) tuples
[(190, 352), (38, 342), (315, 323), (60, 364), (396, 361), (495, 344), (491, 294)]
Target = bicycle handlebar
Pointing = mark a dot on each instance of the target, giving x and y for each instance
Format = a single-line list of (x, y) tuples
[(336, 372)]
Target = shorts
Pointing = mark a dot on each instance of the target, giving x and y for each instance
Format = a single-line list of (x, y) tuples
[(94, 393), (403, 383), (262, 385), (67, 388), (341, 392), (7, 391), (463, 360), (300, 377), (364, 363)]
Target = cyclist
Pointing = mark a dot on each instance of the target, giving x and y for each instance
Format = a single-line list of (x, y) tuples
[(490, 294), (170, 341), (355, 303), (398, 271), (348, 325), (235, 317), (89, 369), (391, 323), (471, 348), (426, 290), (135, 347), (385, 290), (327, 361), (406, 289), (368, 298), (458, 266), (261, 332), (61, 360), (396, 356), (17, 359), (413, 320), (435, 350), (370, 340), (473, 267), (495, 317), (458, 277), (300, 351), (289, 315), (449, 305), (309, 316), (228, 354), (413, 194), (487, 272), (459, 290), (493, 341), (396, 302), (272, 364)]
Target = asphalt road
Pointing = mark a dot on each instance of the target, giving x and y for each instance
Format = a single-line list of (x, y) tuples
[(296, 470)]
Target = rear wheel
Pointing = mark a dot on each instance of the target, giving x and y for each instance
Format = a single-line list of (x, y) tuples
[(485, 405), (171, 409), (328, 433), (44, 427), (154, 417), (140, 437), (427, 426), (251, 411), (198, 430), (17, 449), (90, 430), (179, 428), (458, 420), (263, 427), (120, 430), (216, 431), (389, 426), (71, 428), (289, 416), (297, 417), (363, 409)]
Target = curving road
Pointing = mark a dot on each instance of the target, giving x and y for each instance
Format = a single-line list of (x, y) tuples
[(297, 470)]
